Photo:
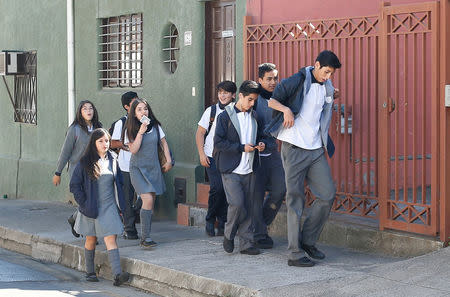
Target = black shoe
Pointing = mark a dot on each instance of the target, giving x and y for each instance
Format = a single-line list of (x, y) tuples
[(313, 252), (209, 227), (130, 236), (91, 277), (121, 278), (148, 243), (71, 222), (251, 251), (265, 243), (302, 262), (228, 245), (220, 232)]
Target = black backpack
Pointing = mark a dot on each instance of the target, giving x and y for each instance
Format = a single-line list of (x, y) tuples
[(111, 130), (212, 116)]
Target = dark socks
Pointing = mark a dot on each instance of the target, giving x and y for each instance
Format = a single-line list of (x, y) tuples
[(114, 261), (89, 260), (146, 223)]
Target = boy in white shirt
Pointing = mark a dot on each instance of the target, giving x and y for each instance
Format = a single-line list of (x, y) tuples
[(129, 216), (304, 104), (237, 143), (204, 138)]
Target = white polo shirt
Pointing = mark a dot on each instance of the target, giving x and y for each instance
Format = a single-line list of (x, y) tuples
[(245, 125), (305, 133), (204, 122)]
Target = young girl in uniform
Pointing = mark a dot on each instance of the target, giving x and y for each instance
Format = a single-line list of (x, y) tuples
[(97, 187), (77, 138), (145, 170)]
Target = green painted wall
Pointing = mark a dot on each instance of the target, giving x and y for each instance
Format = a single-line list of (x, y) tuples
[(170, 95), (28, 153), (40, 26)]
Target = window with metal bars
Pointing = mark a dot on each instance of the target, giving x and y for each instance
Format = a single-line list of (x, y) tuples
[(171, 48), (25, 92), (120, 52)]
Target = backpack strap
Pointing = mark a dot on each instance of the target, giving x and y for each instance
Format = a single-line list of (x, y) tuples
[(212, 116), (122, 133)]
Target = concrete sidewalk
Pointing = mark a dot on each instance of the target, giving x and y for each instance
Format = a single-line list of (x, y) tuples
[(188, 263)]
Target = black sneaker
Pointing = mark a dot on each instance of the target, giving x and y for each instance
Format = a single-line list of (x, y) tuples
[(71, 222), (91, 277), (265, 243), (130, 236), (251, 251), (313, 252), (228, 245), (148, 243), (209, 228), (302, 262), (119, 279)]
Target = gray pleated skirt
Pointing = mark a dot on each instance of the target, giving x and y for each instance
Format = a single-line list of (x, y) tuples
[(108, 221)]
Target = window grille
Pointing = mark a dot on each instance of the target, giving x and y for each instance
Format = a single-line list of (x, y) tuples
[(120, 52), (171, 51), (25, 92)]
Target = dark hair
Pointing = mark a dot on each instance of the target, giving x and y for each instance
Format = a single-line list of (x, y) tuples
[(91, 156), (328, 58), (127, 97), (249, 87), (265, 67), (227, 86), (80, 120), (133, 124)]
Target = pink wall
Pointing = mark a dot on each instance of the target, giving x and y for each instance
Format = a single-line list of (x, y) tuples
[(278, 11)]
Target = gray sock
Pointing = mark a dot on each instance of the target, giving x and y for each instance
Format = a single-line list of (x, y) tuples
[(114, 261), (146, 223), (89, 260)]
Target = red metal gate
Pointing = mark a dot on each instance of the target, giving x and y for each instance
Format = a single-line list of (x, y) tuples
[(360, 126), (409, 111)]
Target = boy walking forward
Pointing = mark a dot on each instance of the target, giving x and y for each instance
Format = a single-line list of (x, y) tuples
[(270, 175), (204, 138), (304, 102), (237, 144), (117, 136)]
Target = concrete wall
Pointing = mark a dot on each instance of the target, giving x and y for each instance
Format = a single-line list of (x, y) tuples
[(28, 152)]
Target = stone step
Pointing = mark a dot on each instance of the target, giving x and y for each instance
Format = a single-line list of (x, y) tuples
[(341, 230)]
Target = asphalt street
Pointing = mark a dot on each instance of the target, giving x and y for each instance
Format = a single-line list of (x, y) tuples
[(22, 276)]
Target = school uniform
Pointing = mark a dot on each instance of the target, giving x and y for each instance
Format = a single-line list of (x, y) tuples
[(217, 202), (99, 200), (269, 177), (235, 129), (303, 155), (129, 218)]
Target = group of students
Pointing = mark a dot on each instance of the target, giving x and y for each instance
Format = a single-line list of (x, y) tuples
[(256, 151), (103, 182), (250, 173)]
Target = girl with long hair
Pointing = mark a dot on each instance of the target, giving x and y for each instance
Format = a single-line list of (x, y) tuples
[(77, 138), (97, 187), (145, 169)]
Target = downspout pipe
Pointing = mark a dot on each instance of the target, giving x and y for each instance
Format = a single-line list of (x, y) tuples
[(70, 63)]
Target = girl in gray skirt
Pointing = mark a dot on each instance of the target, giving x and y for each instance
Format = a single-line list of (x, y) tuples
[(97, 187), (142, 131), (77, 138)]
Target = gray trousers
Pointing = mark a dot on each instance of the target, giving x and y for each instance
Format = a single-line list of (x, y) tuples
[(310, 165), (129, 217), (239, 192), (269, 177)]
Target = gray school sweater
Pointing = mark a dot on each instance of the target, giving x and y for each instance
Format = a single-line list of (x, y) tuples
[(73, 148)]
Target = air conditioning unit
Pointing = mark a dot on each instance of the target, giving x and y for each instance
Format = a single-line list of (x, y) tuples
[(12, 62)]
